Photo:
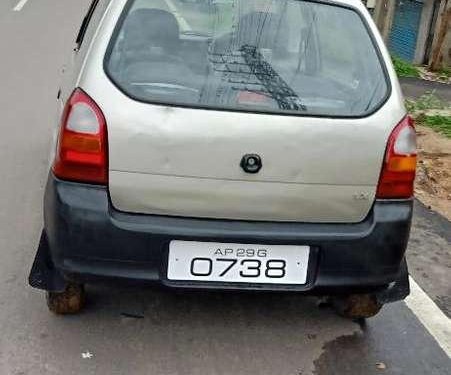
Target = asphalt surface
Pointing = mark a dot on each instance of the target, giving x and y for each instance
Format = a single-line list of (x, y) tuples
[(154, 331), (414, 88)]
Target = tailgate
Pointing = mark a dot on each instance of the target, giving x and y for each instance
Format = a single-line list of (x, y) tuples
[(186, 162)]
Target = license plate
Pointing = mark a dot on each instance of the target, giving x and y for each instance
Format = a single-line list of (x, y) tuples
[(238, 263)]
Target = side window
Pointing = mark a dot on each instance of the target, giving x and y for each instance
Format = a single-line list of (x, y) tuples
[(90, 23), (85, 24), (84, 37)]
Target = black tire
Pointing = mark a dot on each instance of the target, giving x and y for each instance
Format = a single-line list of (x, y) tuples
[(356, 306), (71, 301)]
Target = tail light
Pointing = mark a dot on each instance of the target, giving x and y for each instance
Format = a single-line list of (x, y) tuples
[(82, 154), (398, 171)]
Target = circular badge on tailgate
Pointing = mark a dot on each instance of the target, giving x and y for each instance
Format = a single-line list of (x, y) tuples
[(251, 163)]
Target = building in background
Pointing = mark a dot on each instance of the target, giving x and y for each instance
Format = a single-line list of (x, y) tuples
[(418, 31)]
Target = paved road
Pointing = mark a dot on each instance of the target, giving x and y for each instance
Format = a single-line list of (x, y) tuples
[(154, 331), (414, 88)]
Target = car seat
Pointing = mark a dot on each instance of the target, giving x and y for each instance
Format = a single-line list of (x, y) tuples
[(151, 34)]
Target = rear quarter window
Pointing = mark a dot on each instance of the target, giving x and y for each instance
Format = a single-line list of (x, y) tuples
[(90, 24), (286, 57)]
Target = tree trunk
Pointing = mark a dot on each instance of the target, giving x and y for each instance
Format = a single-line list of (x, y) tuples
[(442, 29)]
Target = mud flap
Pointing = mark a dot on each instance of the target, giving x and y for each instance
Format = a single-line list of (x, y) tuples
[(43, 274), (397, 290)]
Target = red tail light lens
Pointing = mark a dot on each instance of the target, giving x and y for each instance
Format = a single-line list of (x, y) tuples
[(82, 145), (398, 171)]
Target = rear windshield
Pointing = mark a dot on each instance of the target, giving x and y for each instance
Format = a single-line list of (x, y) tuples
[(278, 56)]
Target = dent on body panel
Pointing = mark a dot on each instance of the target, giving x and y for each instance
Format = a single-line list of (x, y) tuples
[(158, 123)]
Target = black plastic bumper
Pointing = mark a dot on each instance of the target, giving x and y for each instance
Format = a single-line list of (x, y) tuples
[(86, 238)]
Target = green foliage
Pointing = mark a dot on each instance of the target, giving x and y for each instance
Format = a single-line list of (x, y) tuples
[(444, 73), (425, 102), (405, 69), (441, 124)]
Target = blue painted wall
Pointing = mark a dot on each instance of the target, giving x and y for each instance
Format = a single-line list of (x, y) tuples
[(404, 33)]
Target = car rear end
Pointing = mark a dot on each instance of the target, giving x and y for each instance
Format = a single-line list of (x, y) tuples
[(252, 145)]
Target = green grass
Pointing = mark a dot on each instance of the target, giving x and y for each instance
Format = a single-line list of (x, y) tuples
[(404, 68), (441, 124), (444, 73), (425, 102)]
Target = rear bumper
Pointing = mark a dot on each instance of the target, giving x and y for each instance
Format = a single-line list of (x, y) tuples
[(86, 238)]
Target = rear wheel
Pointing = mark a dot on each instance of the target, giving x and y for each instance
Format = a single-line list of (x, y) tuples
[(356, 306), (70, 301)]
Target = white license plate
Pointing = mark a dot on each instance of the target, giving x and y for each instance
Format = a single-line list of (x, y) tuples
[(238, 263)]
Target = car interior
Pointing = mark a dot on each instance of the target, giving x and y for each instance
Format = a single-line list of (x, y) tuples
[(153, 60)]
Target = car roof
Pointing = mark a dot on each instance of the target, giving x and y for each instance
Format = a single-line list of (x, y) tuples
[(355, 3), (349, 2)]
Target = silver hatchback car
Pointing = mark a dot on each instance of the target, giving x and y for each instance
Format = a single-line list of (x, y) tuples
[(230, 144)]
